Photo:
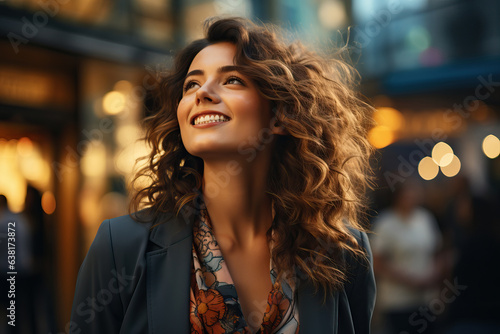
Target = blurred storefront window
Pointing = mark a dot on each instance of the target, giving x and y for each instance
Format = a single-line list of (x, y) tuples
[(73, 79), (150, 21), (112, 101), (396, 35)]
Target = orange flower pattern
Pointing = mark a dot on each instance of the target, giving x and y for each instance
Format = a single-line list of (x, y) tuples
[(214, 305), (277, 305)]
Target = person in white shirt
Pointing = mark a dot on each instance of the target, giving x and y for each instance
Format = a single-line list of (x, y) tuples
[(405, 241)]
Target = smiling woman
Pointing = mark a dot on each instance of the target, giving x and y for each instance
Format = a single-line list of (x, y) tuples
[(252, 220)]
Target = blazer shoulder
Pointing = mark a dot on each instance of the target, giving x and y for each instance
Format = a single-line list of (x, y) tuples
[(128, 231), (114, 263), (129, 240), (119, 242), (359, 267), (360, 287), (160, 231), (360, 236)]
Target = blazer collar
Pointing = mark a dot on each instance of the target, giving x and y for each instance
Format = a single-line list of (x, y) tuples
[(169, 229)]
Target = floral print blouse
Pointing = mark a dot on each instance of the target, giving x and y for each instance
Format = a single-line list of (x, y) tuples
[(214, 305)]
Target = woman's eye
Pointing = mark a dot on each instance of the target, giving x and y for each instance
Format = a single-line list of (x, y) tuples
[(234, 81), (188, 85)]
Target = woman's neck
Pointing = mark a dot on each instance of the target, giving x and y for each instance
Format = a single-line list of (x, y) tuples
[(235, 195)]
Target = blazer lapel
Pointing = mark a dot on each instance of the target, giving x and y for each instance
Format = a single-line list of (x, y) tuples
[(168, 276), (314, 315)]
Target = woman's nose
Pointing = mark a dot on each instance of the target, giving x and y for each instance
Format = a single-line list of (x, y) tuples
[(206, 94)]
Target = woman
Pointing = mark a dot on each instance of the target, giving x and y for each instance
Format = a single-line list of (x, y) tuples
[(258, 160)]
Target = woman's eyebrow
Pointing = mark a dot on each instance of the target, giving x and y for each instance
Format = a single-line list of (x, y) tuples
[(222, 69), (229, 68), (194, 72)]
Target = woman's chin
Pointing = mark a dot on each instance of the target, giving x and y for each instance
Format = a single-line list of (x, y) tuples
[(214, 153)]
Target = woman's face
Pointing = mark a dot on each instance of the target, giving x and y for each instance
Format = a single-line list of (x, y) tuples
[(221, 112)]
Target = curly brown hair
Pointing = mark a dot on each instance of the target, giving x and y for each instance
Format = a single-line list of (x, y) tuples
[(320, 170)]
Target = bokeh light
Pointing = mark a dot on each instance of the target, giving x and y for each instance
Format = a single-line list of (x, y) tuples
[(127, 134), (332, 14), (12, 182), (93, 163), (389, 117), (452, 168), (389, 122), (113, 102), (123, 86), (491, 146), (419, 38), (380, 136), (24, 147), (427, 168), (126, 160), (442, 154), (48, 202), (35, 168)]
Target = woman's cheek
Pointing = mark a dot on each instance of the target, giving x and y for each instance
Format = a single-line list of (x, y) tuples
[(183, 107)]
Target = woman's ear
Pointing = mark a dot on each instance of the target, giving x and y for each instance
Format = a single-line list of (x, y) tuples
[(277, 128), (275, 125)]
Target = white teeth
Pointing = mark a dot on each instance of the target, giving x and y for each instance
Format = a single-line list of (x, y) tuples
[(210, 119)]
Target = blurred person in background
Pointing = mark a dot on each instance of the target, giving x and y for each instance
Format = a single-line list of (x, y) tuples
[(405, 243), (40, 293), (473, 226), (254, 180)]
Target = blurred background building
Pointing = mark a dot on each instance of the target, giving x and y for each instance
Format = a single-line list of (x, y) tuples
[(75, 77)]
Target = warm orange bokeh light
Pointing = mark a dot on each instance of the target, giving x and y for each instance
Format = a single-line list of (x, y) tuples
[(24, 146), (389, 122), (113, 103), (442, 154), (48, 202), (428, 169), (452, 168), (380, 136), (389, 117), (491, 146)]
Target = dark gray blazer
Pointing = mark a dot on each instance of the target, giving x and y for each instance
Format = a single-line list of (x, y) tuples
[(136, 280)]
